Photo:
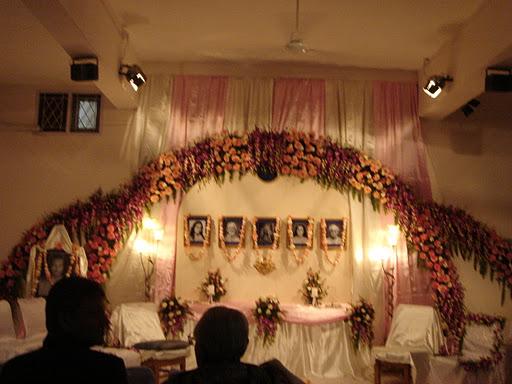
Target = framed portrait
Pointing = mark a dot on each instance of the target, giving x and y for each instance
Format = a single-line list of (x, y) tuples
[(266, 232), (333, 233), (231, 231), (300, 232), (196, 231), (53, 265)]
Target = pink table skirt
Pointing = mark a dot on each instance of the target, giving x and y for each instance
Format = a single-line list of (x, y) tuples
[(293, 313)]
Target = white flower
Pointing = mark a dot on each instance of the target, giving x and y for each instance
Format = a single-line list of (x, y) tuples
[(164, 304), (270, 306), (259, 310)]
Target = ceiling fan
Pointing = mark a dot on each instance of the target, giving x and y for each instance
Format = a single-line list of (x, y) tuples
[(296, 44)]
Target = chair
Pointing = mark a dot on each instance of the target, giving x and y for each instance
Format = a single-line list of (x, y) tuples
[(137, 325), (415, 334), (480, 342)]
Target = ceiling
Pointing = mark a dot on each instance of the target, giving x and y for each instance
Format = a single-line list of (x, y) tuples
[(396, 34)]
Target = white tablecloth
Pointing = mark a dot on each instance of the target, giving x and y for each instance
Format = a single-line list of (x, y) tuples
[(310, 349)]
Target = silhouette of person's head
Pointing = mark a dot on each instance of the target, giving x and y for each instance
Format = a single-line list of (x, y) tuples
[(222, 335), (76, 313)]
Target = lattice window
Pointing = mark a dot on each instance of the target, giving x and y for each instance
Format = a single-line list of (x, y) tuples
[(53, 108), (86, 113)]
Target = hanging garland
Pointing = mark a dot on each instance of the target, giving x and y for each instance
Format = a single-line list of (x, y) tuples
[(435, 232)]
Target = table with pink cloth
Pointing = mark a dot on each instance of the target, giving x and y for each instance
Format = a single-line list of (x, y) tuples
[(313, 342)]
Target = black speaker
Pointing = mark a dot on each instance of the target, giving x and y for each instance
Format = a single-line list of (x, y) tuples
[(498, 80), (83, 69)]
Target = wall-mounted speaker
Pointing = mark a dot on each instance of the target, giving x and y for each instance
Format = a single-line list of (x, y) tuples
[(498, 80), (84, 69)]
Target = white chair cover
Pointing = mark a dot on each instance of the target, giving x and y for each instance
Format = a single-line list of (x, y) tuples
[(478, 342), (34, 319), (415, 334), (58, 238), (7, 331), (136, 322)]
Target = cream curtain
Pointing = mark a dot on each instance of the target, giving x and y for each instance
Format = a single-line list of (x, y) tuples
[(248, 104), (148, 128)]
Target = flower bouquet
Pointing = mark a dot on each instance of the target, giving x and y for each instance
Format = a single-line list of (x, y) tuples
[(173, 313), (313, 289), (361, 323), (213, 286), (268, 315)]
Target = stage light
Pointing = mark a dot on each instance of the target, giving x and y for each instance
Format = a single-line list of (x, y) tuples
[(134, 75), (435, 85), (470, 107)]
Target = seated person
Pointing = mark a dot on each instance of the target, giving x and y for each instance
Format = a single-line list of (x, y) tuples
[(222, 336), (76, 320)]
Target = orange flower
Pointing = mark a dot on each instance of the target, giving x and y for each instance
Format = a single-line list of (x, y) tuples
[(287, 158), (235, 158), (229, 167), (219, 169), (236, 167), (154, 198), (295, 161), (367, 189), (290, 149), (285, 170)]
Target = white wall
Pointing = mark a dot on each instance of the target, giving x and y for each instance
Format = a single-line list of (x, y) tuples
[(471, 168), (42, 172), (249, 197)]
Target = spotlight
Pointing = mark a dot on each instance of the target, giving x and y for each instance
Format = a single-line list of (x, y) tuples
[(435, 85), (470, 107), (134, 75)]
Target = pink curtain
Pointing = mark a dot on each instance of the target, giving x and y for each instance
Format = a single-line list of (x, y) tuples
[(399, 145), (397, 128), (299, 104), (197, 109)]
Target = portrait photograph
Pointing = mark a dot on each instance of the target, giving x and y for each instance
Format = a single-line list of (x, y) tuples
[(197, 231), (335, 232), (231, 229), (56, 265), (267, 229), (298, 233)]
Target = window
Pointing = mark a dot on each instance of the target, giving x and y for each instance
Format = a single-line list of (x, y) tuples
[(86, 113), (53, 109)]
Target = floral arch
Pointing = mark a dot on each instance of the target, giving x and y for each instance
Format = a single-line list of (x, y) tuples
[(436, 232)]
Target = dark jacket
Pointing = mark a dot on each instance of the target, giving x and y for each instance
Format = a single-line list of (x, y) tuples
[(62, 362), (234, 373)]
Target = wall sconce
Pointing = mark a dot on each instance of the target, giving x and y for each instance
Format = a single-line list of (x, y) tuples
[(393, 235), (134, 75), (435, 85), (147, 260)]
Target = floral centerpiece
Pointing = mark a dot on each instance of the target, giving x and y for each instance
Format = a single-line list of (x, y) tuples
[(486, 363), (173, 313), (213, 285), (268, 316), (361, 323), (313, 289)]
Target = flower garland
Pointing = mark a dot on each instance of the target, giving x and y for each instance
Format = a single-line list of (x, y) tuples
[(309, 244), (437, 233), (213, 285), (487, 363), (222, 244), (360, 321), (173, 313), (188, 244), (268, 316), (264, 264), (313, 288)]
